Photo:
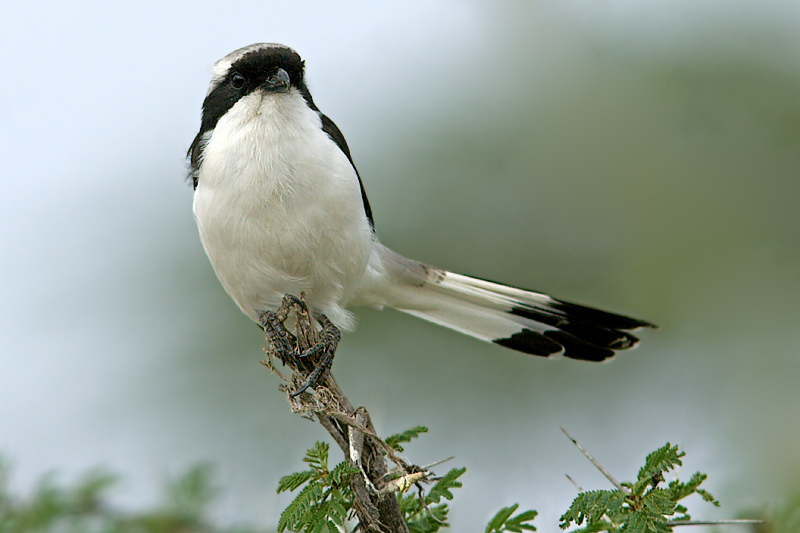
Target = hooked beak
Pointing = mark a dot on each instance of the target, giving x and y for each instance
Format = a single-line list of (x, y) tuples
[(278, 82)]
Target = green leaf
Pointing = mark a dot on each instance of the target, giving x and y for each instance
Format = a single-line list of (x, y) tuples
[(500, 518), (342, 472), (708, 497), (293, 481), (442, 487), (519, 522), (503, 521), (317, 456), (418, 517), (662, 460), (681, 490), (639, 522), (298, 512), (337, 512), (590, 506), (657, 501), (325, 502), (422, 522), (406, 436)]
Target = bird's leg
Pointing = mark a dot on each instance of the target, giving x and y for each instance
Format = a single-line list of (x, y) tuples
[(281, 339), (317, 359), (323, 351)]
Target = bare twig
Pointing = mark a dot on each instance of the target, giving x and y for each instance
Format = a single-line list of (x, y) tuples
[(735, 521), (269, 364), (600, 467), (575, 483), (436, 463)]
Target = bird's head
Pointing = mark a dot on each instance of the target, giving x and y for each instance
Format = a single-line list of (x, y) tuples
[(245, 83)]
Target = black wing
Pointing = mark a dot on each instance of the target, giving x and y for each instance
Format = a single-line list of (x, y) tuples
[(333, 132)]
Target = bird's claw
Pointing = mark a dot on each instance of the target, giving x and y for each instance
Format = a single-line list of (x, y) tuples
[(323, 351), (285, 344)]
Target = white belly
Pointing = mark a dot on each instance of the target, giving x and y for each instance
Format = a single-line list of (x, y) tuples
[(281, 214)]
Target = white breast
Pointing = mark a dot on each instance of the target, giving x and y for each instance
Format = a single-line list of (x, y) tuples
[(279, 208)]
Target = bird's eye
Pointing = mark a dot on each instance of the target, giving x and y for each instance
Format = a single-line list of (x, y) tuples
[(238, 81)]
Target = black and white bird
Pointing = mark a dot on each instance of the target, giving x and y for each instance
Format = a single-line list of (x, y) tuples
[(281, 210)]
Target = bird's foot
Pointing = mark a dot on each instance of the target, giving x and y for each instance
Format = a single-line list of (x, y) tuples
[(321, 354), (316, 359), (272, 322)]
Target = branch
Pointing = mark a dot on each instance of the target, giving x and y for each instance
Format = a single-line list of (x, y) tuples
[(375, 501), (600, 467), (591, 509), (733, 521)]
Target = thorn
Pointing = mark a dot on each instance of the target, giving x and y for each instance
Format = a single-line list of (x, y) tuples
[(605, 472), (440, 461), (715, 522), (580, 489)]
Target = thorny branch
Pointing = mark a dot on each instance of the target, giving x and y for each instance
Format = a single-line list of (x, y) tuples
[(375, 499), (618, 485)]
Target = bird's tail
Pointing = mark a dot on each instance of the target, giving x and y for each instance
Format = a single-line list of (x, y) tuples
[(522, 320)]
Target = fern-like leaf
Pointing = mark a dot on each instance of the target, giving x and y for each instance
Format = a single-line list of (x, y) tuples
[(297, 513), (341, 473), (317, 456), (590, 507), (422, 522), (504, 521), (442, 487), (293, 481), (500, 518), (406, 436), (708, 497), (658, 504), (662, 460)]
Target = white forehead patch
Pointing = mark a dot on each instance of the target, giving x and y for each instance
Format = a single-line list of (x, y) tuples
[(223, 66)]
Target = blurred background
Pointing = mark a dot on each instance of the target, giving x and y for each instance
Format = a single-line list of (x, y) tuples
[(639, 156)]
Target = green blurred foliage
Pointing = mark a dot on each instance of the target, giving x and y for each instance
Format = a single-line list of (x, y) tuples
[(783, 518), (84, 507)]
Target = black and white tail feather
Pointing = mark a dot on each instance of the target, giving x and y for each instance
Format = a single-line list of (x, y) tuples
[(522, 320), (281, 210)]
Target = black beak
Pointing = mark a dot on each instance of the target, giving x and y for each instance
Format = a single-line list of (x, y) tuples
[(278, 82)]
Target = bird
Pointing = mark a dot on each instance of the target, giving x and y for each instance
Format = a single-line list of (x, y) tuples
[(281, 210)]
